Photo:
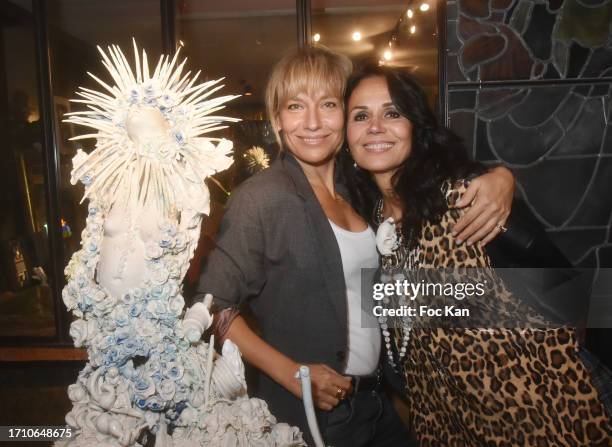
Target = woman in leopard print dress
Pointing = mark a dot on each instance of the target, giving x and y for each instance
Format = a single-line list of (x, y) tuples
[(465, 387)]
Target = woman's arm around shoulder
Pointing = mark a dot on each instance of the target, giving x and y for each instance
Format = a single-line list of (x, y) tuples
[(490, 199)]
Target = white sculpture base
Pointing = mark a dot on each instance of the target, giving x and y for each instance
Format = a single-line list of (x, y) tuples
[(144, 375)]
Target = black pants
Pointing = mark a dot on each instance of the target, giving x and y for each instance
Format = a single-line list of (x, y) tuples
[(365, 419)]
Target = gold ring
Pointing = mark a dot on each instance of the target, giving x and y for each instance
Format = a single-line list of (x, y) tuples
[(502, 228), (340, 394)]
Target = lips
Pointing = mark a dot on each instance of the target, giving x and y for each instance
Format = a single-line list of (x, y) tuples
[(378, 146), (313, 140)]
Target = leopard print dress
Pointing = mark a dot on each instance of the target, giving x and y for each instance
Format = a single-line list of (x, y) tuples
[(500, 387)]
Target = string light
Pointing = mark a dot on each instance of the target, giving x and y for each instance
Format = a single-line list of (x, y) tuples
[(409, 13), (356, 36), (316, 37), (412, 29), (424, 7), (388, 55)]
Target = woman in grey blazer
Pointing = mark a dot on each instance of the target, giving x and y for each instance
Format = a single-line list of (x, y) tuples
[(279, 245)]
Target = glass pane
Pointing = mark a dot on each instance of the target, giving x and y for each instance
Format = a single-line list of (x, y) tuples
[(241, 40), (528, 40), (26, 301), (384, 32), (75, 29)]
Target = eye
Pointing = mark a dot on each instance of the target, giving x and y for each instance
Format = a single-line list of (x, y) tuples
[(294, 106), (330, 104), (360, 116), (392, 113)]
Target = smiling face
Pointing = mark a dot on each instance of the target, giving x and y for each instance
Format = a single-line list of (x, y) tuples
[(380, 139), (312, 127)]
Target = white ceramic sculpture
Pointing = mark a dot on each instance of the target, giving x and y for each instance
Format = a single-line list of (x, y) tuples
[(148, 371)]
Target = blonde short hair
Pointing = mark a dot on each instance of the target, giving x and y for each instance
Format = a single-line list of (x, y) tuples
[(309, 70)]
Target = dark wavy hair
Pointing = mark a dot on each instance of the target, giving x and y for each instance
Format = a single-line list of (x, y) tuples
[(437, 155)]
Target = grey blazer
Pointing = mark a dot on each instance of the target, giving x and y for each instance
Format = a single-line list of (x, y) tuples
[(275, 245)]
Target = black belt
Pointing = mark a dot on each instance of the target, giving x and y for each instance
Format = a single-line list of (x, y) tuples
[(371, 382)]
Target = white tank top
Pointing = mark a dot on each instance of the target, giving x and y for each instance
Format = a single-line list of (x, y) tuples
[(358, 250)]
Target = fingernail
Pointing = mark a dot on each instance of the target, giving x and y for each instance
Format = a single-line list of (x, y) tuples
[(459, 241), (454, 233), (469, 242)]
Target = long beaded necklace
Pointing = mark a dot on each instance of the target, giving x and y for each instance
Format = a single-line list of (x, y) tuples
[(393, 266)]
